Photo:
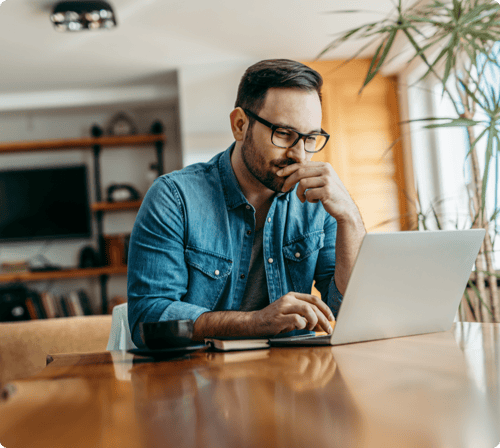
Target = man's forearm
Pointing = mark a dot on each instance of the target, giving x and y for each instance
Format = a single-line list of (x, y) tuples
[(224, 324), (350, 233)]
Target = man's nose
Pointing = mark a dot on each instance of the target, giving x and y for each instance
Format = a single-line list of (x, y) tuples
[(297, 151)]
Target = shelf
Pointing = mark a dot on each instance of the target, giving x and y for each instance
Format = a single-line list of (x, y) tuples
[(65, 273), (95, 145), (81, 143), (110, 206)]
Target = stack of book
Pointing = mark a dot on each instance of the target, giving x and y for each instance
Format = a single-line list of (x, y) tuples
[(20, 303)]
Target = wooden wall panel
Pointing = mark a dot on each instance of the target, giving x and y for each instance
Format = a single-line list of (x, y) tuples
[(362, 127)]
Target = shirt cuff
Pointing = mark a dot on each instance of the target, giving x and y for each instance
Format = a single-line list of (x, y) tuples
[(182, 310), (334, 298)]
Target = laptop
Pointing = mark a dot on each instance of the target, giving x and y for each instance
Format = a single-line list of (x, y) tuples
[(402, 284)]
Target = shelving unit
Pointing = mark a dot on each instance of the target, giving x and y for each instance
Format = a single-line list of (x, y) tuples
[(26, 277), (96, 144), (115, 206), (81, 143)]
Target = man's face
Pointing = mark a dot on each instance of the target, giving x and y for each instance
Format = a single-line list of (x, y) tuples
[(294, 108)]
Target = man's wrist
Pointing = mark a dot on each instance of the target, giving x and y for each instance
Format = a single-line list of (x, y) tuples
[(224, 324), (350, 217)]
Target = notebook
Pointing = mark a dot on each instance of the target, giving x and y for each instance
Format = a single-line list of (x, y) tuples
[(402, 284), (230, 344)]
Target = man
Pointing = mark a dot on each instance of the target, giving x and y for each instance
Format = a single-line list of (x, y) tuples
[(235, 244)]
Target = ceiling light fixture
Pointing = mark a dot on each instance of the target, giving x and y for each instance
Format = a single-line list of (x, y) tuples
[(83, 15)]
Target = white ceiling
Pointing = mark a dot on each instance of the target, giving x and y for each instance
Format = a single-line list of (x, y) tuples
[(158, 35)]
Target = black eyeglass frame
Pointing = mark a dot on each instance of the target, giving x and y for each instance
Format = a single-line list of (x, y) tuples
[(301, 136)]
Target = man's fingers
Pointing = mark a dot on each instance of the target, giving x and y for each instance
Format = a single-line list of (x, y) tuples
[(313, 195), (293, 322), (302, 172), (308, 312), (324, 323), (313, 315), (315, 301), (297, 311), (290, 169), (310, 182), (316, 318)]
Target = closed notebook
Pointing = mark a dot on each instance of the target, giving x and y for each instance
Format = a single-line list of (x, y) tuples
[(229, 344), (241, 343)]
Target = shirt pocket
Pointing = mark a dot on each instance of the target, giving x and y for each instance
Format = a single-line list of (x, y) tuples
[(208, 273), (301, 256)]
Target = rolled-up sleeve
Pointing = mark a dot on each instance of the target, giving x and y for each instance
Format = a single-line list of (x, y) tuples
[(157, 276), (325, 268)]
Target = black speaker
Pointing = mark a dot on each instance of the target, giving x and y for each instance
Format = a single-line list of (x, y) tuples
[(13, 303), (89, 258)]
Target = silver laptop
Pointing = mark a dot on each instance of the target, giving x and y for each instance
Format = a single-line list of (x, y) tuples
[(402, 284)]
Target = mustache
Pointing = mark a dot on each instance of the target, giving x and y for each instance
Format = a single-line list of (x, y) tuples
[(282, 163)]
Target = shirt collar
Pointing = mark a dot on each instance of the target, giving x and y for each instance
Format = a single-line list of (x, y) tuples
[(232, 191)]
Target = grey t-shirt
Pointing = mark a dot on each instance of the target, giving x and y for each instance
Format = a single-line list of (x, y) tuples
[(256, 296)]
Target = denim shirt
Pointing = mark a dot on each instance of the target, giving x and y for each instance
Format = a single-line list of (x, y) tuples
[(191, 244)]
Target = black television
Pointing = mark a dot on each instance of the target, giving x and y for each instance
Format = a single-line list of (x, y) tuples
[(44, 203)]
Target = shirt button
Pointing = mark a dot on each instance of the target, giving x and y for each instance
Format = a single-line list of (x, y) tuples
[(249, 232), (297, 255), (242, 276), (270, 260), (248, 207), (268, 219), (216, 272)]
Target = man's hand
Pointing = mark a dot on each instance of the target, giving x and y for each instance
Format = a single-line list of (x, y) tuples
[(318, 181), (293, 311)]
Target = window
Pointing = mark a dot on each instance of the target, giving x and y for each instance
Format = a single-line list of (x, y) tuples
[(442, 171)]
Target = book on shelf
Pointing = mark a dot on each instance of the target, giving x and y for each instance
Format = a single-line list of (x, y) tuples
[(19, 303), (31, 309), (49, 304), (34, 305), (65, 308), (74, 304), (85, 303), (58, 306)]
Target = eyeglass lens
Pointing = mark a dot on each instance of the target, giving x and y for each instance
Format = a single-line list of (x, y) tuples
[(285, 138)]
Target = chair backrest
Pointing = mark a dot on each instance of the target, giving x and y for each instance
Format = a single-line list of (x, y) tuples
[(24, 346), (119, 336)]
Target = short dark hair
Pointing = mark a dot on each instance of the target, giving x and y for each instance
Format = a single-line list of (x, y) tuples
[(275, 73)]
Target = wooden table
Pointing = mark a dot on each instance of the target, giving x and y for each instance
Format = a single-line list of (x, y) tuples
[(436, 390)]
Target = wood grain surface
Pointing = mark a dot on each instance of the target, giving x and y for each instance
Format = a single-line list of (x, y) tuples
[(435, 390)]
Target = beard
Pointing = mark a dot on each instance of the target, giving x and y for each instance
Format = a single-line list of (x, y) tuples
[(261, 169)]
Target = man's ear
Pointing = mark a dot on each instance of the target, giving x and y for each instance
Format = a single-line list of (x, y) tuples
[(239, 124)]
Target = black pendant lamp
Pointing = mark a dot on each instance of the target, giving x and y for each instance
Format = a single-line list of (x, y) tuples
[(83, 15)]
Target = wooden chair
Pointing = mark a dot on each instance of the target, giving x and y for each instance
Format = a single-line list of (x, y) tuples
[(24, 346)]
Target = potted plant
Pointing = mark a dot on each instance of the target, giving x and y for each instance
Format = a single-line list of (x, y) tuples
[(455, 39)]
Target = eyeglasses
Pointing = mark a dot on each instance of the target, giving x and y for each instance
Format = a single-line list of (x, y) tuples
[(288, 138)]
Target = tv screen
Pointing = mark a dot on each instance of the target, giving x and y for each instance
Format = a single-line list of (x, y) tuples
[(44, 203)]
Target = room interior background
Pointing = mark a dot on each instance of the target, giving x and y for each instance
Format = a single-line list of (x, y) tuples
[(456, 45), (172, 61)]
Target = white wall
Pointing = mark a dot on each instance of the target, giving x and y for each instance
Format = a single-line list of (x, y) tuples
[(207, 93), (39, 115), (194, 104)]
